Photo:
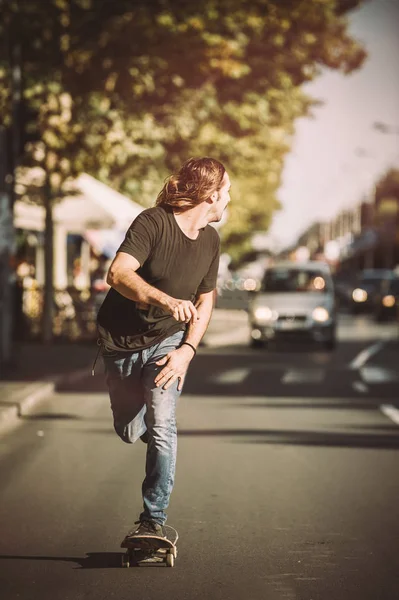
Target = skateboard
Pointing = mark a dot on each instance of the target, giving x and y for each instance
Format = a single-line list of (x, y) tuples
[(150, 549)]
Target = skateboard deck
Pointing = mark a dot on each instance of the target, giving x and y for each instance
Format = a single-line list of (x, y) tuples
[(150, 549)]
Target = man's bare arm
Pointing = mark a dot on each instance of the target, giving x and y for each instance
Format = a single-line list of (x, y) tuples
[(196, 330), (123, 278)]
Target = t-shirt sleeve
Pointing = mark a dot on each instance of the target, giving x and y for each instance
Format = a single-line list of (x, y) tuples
[(208, 283), (140, 238)]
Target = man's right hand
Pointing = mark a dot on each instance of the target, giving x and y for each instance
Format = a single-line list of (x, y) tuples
[(182, 310)]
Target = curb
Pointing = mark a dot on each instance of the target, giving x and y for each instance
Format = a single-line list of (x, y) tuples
[(19, 402), (22, 400)]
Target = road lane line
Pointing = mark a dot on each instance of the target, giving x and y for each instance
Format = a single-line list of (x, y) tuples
[(365, 355), (391, 412)]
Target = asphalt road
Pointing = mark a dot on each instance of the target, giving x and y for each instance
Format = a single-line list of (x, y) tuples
[(287, 480)]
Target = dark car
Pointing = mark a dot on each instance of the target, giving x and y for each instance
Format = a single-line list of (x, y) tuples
[(386, 300), (367, 287)]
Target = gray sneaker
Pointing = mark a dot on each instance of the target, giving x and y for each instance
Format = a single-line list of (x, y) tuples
[(147, 528)]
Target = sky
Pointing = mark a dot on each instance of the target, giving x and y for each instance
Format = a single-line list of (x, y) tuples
[(337, 156)]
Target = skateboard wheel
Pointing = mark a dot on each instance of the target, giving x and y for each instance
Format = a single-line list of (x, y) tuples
[(125, 561), (170, 560)]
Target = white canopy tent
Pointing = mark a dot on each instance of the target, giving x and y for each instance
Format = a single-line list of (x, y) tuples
[(95, 206)]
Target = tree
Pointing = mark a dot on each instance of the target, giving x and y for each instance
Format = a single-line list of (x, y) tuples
[(235, 94)]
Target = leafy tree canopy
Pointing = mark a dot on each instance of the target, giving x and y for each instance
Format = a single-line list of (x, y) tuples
[(127, 90)]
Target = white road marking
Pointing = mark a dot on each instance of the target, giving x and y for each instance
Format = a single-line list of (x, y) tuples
[(303, 376), (391, 412), (375, 374), (232, 376), (365, 355), (359, 386)]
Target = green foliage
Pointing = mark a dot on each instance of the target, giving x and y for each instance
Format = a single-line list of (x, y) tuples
[(127, 90)]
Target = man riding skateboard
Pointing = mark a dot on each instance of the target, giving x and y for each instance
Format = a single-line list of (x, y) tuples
[(156, 312)]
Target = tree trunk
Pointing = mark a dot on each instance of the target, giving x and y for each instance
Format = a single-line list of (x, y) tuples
[(48, 292)]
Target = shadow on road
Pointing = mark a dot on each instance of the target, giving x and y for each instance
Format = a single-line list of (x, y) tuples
[(300, 438), (92, 560), (327, 439), (52, 417), (352, 404)]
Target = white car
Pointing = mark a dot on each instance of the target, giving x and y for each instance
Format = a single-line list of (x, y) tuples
[(296, 300)]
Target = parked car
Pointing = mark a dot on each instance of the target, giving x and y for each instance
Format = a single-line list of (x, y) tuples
[(367, 287), (296, 300), (386, 300)]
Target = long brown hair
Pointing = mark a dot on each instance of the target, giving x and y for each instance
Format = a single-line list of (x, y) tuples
[(195, 182)]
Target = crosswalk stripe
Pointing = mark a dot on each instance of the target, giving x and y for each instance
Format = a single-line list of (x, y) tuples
[(303, 376), (369, 376), (232, 376), (375, 374)]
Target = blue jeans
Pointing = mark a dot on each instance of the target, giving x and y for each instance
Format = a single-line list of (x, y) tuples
[(139, 406)]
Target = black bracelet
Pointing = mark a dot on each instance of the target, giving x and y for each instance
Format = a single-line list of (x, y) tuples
[(191, 346)]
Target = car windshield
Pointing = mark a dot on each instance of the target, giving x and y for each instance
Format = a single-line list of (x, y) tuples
[(294, 280)]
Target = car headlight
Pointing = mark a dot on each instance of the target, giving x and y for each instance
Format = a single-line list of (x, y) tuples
[(320, 314), (359, 295), (388, 301), (263, 313)]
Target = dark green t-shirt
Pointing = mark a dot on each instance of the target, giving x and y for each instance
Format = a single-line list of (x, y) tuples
[(170, 261)]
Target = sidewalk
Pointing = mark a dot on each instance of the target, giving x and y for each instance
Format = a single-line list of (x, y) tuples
[(35, 373)]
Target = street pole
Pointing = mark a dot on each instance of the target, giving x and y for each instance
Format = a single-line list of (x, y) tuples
[(48, 295), (10, 153), (6, 252)]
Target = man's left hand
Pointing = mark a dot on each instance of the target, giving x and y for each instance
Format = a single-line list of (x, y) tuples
[(175, 365)]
